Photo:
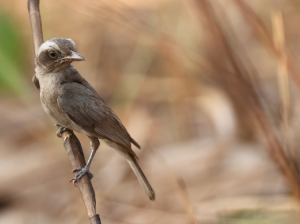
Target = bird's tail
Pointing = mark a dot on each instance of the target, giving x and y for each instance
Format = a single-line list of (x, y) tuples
[(140, 176)]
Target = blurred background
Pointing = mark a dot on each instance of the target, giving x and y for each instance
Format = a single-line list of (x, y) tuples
[(209, 89)]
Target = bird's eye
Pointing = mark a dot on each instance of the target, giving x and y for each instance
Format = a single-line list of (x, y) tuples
[(52, 54)]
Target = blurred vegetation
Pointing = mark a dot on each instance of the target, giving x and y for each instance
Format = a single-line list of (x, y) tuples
[(209, 89), (261, 217), (12, 61)]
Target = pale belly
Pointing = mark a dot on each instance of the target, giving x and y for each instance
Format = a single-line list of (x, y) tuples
[(54, 112), (58, 116), (48, 97)]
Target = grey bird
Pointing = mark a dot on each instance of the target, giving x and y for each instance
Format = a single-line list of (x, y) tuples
[(74, 104)]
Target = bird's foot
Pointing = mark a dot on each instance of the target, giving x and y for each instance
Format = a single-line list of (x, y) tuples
[(60, 130), (81, 172)]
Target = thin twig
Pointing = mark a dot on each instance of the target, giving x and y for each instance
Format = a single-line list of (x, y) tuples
[(71, 142), (265, 36), (36, 23), (181, 189), (282, 76)]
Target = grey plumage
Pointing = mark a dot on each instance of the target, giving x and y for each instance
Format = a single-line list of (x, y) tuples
[(73, 103)]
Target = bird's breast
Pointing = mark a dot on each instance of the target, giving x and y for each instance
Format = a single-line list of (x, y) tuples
[(49, 92)]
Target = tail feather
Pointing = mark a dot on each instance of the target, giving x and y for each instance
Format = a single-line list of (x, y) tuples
[(134, 142), (140, 176), (132, 160)]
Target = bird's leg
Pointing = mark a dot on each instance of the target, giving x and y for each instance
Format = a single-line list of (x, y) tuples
[(60, 130), (94, 142)]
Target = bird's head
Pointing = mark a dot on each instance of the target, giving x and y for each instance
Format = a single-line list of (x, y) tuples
[(56, 54)]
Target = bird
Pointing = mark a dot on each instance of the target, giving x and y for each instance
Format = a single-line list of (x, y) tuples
[(75, 105)]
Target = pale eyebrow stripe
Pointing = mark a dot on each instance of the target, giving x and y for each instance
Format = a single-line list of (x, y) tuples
[(47, 45)]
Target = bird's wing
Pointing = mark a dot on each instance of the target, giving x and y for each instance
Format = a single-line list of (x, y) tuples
[(36, 82), (87, 109)]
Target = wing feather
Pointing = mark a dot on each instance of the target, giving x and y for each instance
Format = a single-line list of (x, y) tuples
[(87, 109)]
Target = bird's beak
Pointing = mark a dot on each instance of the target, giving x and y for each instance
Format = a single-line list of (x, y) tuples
[(73, 57)]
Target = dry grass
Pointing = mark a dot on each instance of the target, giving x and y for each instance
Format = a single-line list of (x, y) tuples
[(208, 88)]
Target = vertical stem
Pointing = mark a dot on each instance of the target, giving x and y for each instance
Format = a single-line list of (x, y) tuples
[(36, 23), (282, 75), (76, 157), (71, 142)]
